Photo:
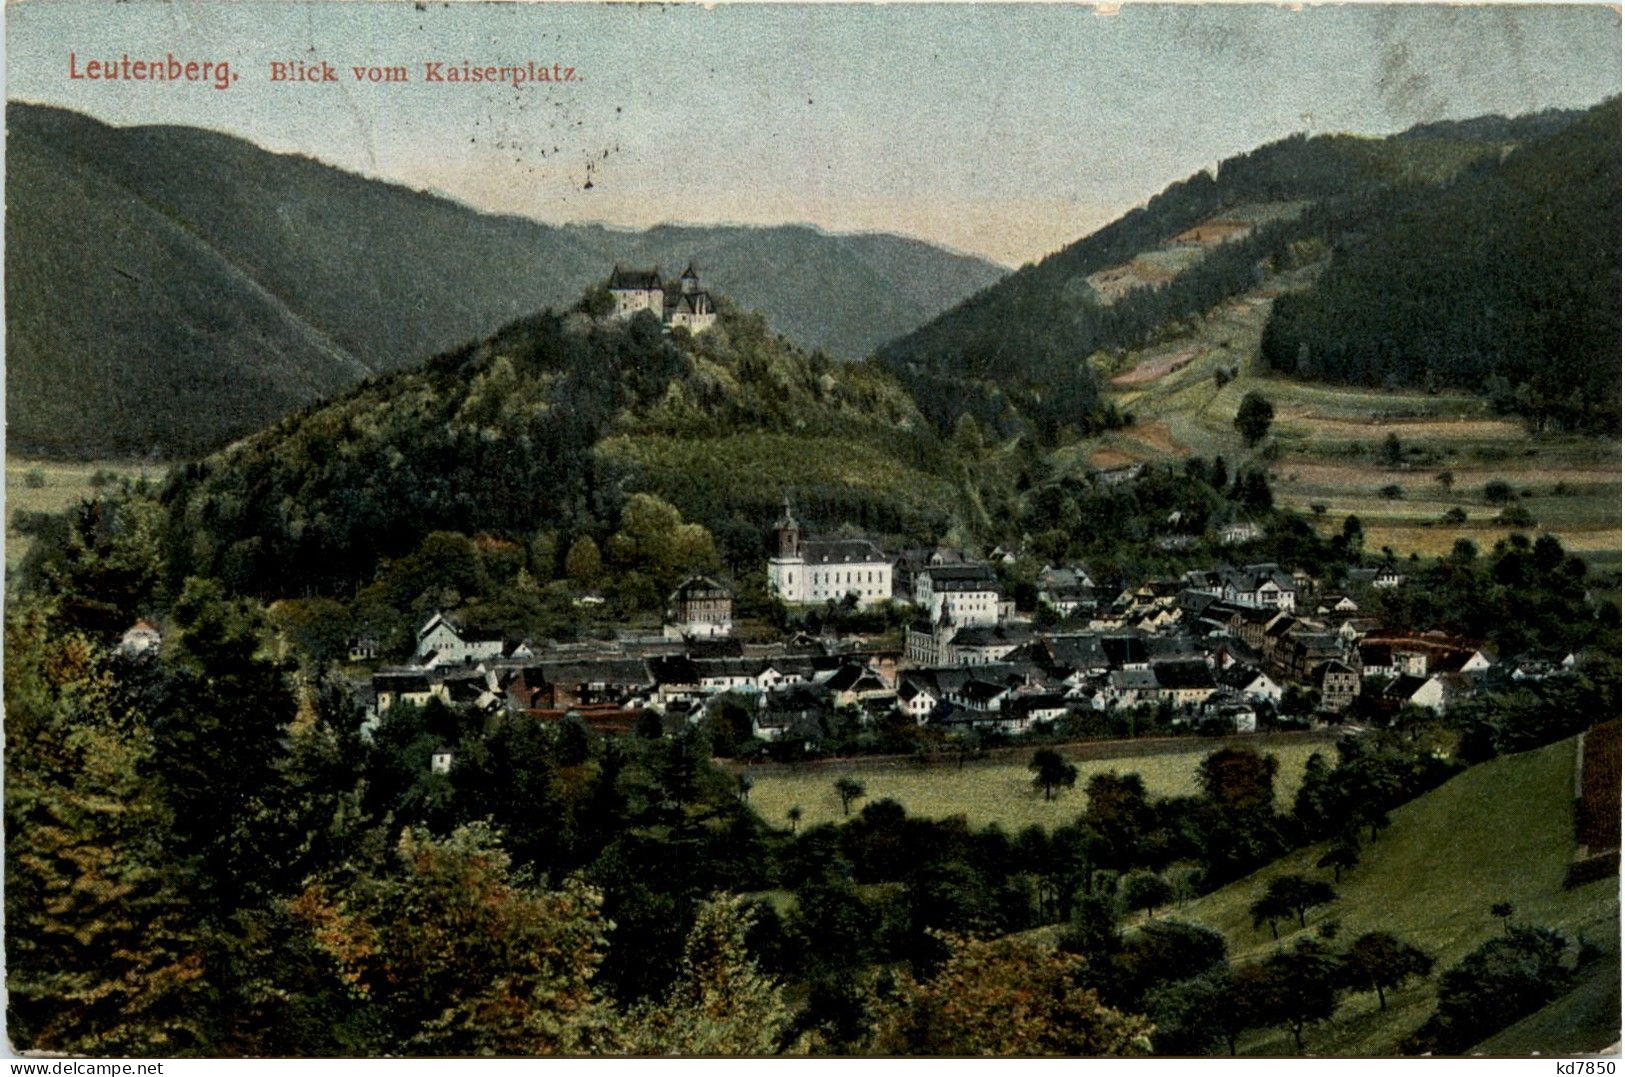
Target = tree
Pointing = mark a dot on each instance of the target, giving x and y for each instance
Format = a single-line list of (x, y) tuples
[(582, 563), (1392, 452), (1146, 890), (1051, 772), (1498, 492), (1446, 479), (1302, 894), (1353, 534), (1269, 908), (1506, 978), (849, 789), (721, 1003), (1343, 855), (1253, 418), (794, 815), (104, 954), (1239, 780), (458, 957), (1380, 962), (1190, 1016), (1299, 988), (1006, 997)]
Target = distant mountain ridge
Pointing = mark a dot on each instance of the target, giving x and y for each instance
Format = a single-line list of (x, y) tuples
[(171, 288)]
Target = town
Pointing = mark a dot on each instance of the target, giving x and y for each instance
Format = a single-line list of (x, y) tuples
[(1211, 651)]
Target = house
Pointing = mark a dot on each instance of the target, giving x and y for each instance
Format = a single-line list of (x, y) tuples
[(917, 699), (401, 686), (701, 608), (816, 570), (796, 712), (1185, 683), (363, 648), (141, 638), (1339, 684), (441, 759), (979, 695), (980, 645), (1131, 687), (1335, 603), (1234, 534), (1409, 689), (1230, 710), (683, 302), (444, 641), (1251, 683), (1022, 710)]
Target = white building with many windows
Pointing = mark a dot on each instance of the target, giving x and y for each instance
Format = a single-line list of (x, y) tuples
[(815, 570)]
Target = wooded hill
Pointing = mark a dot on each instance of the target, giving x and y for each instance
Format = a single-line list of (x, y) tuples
[(1506, 281), (1025, 341), (170, 288), (546, 427)]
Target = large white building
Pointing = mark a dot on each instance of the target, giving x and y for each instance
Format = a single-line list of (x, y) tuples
[(960, 595), (814, 570)]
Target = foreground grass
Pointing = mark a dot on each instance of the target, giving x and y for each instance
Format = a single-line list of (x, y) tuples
[(1502, 831), (988, 793)]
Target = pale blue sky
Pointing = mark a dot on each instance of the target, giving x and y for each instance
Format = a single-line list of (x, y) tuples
[(1003, 130)]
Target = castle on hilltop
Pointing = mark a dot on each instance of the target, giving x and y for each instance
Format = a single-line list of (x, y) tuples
[(681, 302)]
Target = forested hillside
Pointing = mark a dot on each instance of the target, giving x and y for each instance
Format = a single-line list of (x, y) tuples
[(1024, 341), (1506, 281), (171, 288), (547, 427)]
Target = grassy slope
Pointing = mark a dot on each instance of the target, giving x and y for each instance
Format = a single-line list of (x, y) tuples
[(1502, 831), (991, 792), (1328, 437)]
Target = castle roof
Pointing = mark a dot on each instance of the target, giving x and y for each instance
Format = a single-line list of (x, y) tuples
[(641, 280)]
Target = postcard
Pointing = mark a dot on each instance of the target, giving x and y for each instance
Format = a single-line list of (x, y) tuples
[(901, 530)]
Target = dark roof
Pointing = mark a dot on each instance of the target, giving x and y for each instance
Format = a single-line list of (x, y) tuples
[(973, 571), (400, 682), (700, 587), (1077, 651), (1125, 650), (980, 691), (673, 669), (637, 279), (841, 551), (1183, 675)]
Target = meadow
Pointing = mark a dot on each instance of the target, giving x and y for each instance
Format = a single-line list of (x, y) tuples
[(997, 792), (56, 485)]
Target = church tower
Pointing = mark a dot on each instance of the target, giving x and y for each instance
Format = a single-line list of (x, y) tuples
[(788, 533), (786, 575)]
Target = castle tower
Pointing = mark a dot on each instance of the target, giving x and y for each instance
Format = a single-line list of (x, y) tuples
[(691, 280)]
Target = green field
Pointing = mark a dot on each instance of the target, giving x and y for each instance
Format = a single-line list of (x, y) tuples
[(992, 792), (53, 486), (1326, 440), (1502, 831)]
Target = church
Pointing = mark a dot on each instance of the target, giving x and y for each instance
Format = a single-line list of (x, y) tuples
[(681, 302), (815, 570)]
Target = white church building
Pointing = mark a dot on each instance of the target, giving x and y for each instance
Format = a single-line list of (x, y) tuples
[(815, 570)]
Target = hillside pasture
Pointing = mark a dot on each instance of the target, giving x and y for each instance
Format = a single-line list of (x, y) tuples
[(996, 792), (1325, 447), (1501, 831)]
